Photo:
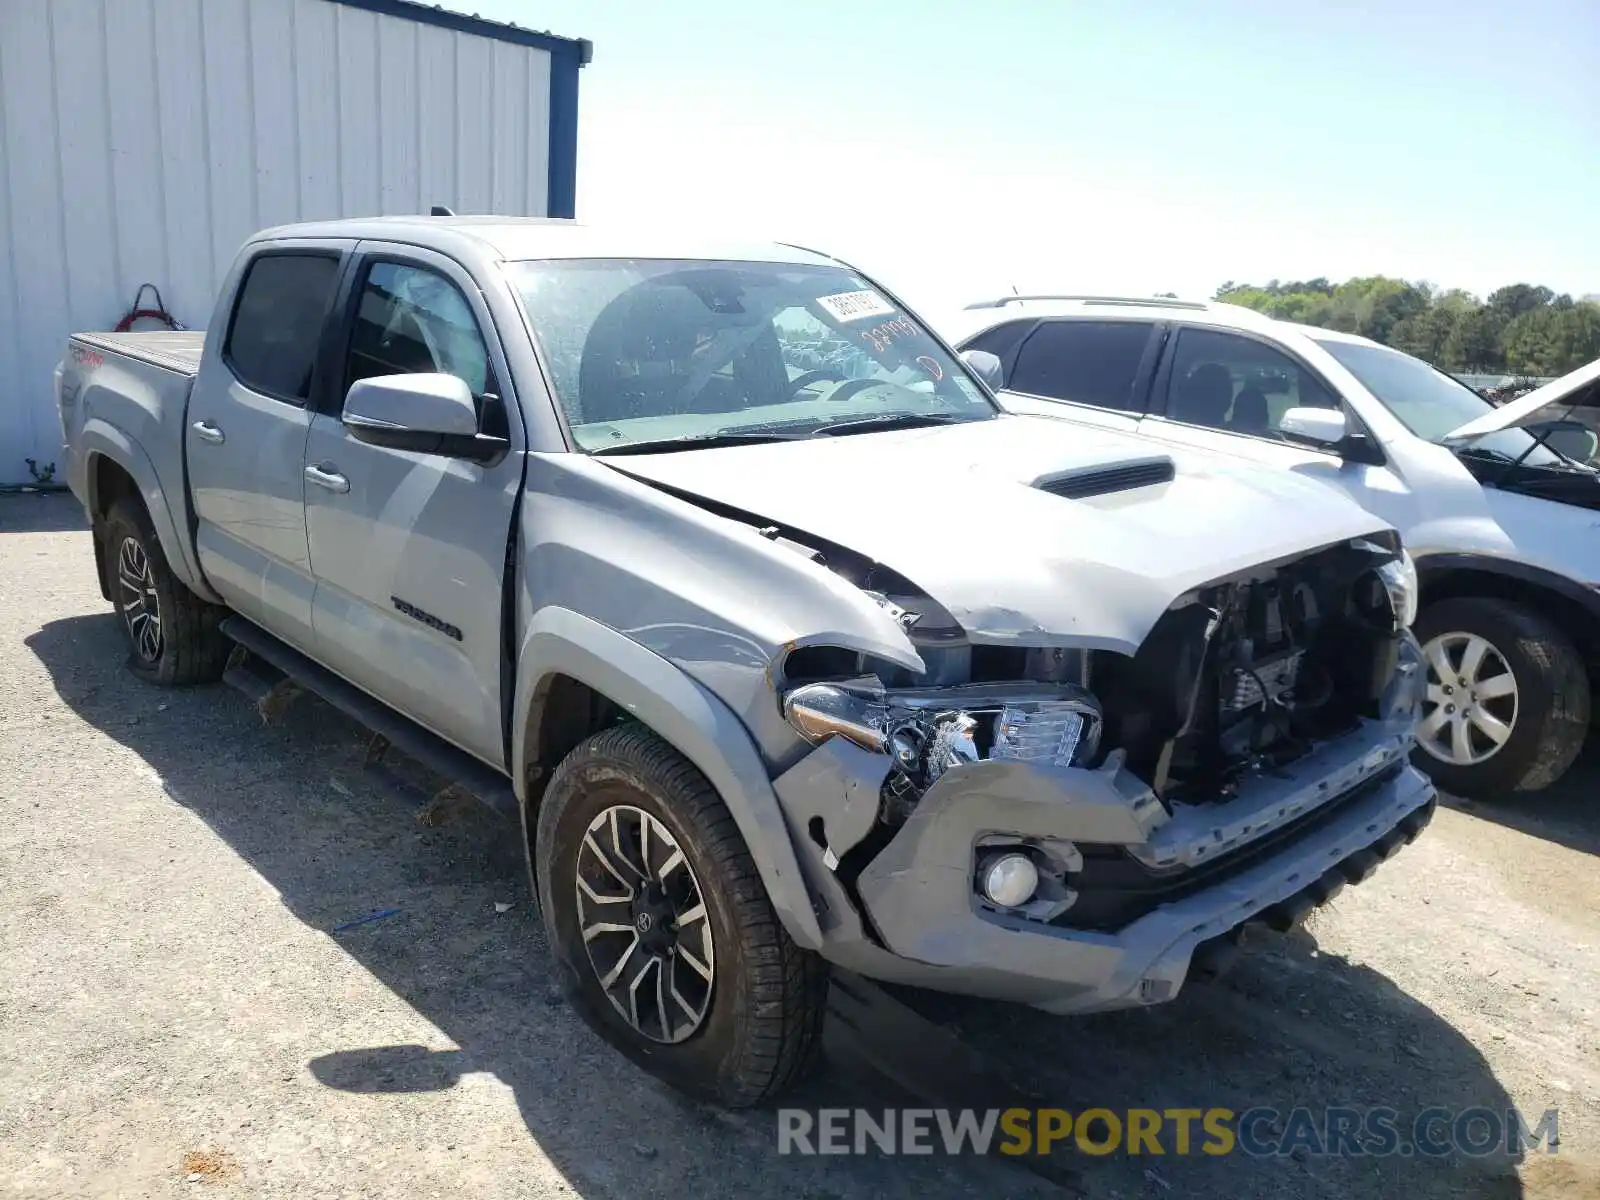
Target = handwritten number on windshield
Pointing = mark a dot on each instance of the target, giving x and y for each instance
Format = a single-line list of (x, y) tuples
[(881, 337)]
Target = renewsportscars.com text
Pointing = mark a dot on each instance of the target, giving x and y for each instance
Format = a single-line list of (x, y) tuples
[(1258, 1132)]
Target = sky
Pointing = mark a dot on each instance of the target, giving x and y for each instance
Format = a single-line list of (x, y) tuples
[(959, 150)]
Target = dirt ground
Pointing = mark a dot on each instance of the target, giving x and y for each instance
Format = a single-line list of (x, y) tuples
[(183, 1007)]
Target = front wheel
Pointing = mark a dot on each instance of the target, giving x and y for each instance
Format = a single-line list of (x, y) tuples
[(1507, 702), (662, 934), (172, 634)]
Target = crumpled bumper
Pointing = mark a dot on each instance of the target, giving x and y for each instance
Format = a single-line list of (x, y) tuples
[(910, 913)]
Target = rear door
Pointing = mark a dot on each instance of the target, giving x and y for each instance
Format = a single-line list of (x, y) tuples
[(246, 433), (1093, 372), (409, 550)]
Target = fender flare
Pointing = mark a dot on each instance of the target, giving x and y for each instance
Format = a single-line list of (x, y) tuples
[(1588, 599), (99, 438), (697, 724)]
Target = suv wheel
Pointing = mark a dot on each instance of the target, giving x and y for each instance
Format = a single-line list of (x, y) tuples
[(1507, 702), (172, 633), (661, 932)]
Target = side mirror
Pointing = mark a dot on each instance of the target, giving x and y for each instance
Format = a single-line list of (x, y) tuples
[(427, 412), (1319, 426), (1329, 429), (985, 366)]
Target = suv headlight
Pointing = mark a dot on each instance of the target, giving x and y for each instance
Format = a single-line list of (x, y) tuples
[(1399, 576), (928, 731)]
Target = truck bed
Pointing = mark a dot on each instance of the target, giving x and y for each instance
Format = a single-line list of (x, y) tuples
[(176, 350), (124, 396)]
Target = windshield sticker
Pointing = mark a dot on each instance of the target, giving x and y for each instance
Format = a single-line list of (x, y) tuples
[(931, 366), (881, 337), (854, 306)]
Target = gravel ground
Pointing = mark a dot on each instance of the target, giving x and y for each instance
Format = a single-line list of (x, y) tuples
[(180, 1011)]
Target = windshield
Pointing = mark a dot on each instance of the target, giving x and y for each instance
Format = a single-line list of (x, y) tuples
[(649, 350), (1429, 402)]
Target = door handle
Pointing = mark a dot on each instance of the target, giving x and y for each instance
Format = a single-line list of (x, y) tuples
[(324, 477), (209, 433)]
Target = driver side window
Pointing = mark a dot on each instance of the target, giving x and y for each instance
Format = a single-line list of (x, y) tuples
[(1237, 384), (411, 319)]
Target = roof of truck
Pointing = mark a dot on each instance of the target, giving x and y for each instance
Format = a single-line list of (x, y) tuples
[(518, 238)]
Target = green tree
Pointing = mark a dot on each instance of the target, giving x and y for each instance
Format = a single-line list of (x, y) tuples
[(1523, 327), (1516, 299), (1474, 343), (1553, 339)]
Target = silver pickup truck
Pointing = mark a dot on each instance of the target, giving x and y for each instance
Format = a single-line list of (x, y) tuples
[(726, 578)]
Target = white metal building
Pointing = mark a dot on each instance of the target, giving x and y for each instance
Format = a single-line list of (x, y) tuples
[(144, 140)]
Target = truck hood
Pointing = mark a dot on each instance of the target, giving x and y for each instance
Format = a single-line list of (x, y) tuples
[(1548, 403), (957, 510)]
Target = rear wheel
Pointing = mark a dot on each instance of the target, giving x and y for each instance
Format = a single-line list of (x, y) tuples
[(1507, 702), (172, 634), (663, 937)]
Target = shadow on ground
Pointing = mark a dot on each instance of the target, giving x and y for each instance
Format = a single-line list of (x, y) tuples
[(40, 512), (1289, 1027), (1567, 812), (339, 842)]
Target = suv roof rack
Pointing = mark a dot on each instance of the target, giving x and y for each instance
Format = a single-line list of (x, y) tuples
[(1130, 301)]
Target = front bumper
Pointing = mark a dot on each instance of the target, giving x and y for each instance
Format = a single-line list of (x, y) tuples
[(910, 914)]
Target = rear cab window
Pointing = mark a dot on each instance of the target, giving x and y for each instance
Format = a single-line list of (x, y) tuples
[(277, 322), (1087, 362)]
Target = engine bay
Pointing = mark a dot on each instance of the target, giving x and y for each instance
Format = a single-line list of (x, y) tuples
[(1246, 674), (1251, 672)]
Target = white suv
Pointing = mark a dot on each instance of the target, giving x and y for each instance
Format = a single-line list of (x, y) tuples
[(1496, 505)]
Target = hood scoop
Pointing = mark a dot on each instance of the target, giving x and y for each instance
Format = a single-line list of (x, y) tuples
[(1081, 483)]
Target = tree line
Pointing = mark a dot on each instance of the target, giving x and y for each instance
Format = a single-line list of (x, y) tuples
[(1521, 329)]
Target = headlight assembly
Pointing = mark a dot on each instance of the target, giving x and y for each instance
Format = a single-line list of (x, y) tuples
[(929, 731), (1399, 578)]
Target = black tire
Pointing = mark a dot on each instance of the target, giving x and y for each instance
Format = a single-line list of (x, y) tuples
[(188, 648), (762, 1027), (1552, 704)]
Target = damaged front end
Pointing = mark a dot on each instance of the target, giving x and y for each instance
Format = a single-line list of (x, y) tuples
[(1126, 809)]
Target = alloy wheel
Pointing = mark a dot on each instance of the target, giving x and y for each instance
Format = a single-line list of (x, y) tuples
[(141, 605), (1471, 703), (643, 918)]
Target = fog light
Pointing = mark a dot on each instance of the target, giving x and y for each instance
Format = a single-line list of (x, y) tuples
[(1010, 880)]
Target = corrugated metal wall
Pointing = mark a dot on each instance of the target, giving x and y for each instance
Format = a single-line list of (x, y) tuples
[(146, 139)]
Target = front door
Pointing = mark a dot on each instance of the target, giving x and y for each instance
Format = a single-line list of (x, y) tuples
[(408, 549), (1225, 391), (246, 435)]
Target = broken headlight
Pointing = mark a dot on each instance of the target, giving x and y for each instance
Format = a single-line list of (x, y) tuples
[(1399, 578), (929, 731)]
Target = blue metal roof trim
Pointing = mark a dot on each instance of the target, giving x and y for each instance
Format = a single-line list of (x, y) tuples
[(561, 182), (581, 50), (567, 55)]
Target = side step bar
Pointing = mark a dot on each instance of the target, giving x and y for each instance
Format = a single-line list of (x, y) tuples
[(432, 751)]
